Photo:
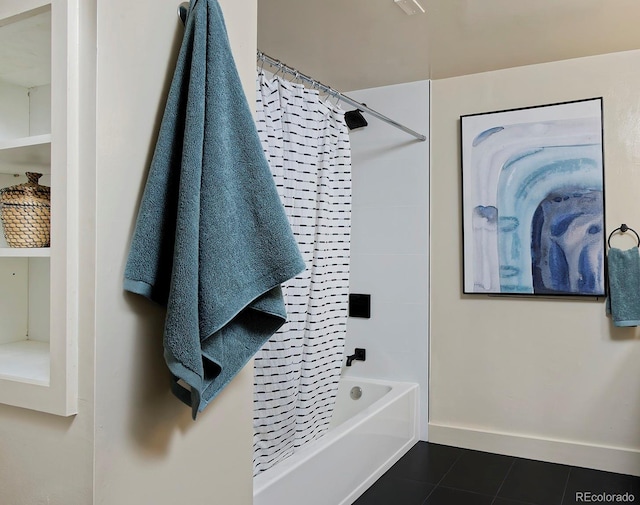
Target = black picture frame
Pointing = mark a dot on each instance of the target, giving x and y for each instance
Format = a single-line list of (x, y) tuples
[(533, 200)]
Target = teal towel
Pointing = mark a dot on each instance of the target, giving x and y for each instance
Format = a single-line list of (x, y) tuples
[(623, 302), (212, 242)]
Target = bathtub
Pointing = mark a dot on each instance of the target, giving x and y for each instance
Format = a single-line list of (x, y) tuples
[(366, 437)]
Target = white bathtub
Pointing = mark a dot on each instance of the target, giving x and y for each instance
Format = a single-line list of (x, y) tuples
[(366, 437)]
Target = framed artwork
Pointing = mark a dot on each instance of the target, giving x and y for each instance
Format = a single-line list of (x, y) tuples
[(533, 200)]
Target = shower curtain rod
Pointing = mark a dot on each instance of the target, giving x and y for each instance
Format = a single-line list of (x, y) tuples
[(332, 92), (182, 14)]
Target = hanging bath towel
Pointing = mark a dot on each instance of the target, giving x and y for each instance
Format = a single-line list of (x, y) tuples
[(623, 302), (212, 242)]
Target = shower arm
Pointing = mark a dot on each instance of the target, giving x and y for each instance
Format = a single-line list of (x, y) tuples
[(183, 10)]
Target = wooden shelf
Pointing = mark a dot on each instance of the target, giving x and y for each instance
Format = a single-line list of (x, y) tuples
[(32, 154), (26, 361), (25, 252)]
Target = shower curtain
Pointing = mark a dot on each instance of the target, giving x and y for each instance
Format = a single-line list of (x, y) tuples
[(296, 373)]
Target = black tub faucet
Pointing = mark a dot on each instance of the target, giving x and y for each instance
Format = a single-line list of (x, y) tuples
[(359, 355)]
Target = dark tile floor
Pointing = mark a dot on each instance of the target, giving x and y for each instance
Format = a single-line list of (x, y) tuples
[(432, 474)]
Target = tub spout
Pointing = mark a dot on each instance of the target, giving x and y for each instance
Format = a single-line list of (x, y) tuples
[(359, 355)]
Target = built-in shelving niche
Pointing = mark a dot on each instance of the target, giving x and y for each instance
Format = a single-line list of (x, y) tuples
[(25, 146)]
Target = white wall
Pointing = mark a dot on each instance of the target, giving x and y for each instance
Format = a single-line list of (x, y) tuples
[(390, 238), (148, 450), (538, 378)]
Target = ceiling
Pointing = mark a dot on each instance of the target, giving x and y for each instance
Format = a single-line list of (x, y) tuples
[(357, 44)]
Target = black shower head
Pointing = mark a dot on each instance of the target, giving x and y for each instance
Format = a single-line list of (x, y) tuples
[(355, 119)]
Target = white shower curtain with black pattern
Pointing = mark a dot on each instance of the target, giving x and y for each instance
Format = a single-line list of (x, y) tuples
[(296, 373)]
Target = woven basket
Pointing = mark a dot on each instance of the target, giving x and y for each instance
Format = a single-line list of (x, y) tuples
[(26, 213)]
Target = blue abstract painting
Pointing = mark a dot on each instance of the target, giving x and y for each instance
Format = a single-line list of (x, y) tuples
[(533, 200)]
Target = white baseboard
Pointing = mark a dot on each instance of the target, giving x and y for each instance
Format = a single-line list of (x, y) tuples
[(600, 457)]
